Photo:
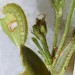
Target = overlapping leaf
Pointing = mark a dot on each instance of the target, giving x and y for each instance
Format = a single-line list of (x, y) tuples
[(33, 64)]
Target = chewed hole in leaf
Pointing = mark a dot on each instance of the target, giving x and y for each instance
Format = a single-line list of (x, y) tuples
[(12, 25)]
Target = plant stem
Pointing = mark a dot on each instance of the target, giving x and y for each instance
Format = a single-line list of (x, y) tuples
[(57, 24), (58, 6), (46, 50), (39, 47), (45, 53), (66, 28)]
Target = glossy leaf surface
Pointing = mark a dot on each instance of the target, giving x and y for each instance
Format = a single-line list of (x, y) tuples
[(32, 63)]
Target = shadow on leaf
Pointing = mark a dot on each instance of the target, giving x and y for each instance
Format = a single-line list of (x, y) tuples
[(32, 63)]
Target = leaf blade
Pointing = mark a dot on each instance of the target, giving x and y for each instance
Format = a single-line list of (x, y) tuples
[(33, 62), (19, 35)]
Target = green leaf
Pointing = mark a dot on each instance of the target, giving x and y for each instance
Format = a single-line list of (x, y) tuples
[(32, 63), (14, 14)]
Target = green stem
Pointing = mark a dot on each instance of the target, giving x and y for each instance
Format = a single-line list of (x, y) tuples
[(0, 22), (43, 52), (58, 6), (66, 28), (56, 34), (39, 47), (46, 50)]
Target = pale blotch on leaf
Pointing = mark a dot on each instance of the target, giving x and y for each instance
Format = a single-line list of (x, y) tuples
[(12, 25)]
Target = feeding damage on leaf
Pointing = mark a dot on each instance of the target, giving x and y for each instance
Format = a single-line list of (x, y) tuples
[(15, 23), (12, 25), (15, 26)]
